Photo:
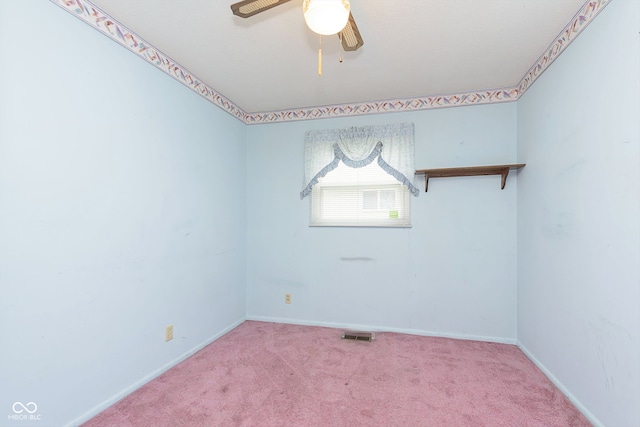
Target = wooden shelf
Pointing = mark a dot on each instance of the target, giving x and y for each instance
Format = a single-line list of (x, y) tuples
[(502, 170)]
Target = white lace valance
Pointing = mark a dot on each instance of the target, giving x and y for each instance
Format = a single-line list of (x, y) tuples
[(391, 145)]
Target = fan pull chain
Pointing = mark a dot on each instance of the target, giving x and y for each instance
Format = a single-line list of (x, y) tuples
[(341, 50), (320, 57)]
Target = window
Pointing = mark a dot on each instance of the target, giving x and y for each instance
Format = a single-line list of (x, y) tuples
[(360, 176), (366, 196)]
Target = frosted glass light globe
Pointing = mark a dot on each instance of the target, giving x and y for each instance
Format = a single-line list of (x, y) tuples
[(326, 17)]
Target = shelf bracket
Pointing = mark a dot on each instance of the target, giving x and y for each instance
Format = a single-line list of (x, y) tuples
[(504, 173)]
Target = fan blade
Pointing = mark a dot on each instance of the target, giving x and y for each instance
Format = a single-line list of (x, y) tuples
[(247, 8), (350, 36)]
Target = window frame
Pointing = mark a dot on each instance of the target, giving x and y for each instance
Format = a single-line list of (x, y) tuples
[(321, 209)]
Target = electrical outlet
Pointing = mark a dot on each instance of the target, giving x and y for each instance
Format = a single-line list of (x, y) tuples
[(287, 298), (168, 333)]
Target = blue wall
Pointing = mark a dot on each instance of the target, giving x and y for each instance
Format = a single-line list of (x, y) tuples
[(579, 218), (453, 273), (121, 211)]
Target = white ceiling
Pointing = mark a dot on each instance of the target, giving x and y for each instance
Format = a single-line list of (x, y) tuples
[(413, 48)]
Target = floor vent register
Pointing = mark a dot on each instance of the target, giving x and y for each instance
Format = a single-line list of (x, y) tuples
[(357, 336)]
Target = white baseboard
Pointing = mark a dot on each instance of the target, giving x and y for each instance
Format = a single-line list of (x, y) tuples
[(122, 394), (592, 419), (378, 328)]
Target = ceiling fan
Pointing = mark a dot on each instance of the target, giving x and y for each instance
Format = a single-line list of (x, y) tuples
[(350, 37)]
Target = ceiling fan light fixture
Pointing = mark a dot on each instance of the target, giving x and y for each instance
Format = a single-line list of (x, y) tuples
[(326, 17)]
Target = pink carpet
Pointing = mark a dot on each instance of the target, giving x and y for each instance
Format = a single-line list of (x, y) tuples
[(267, 374)]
